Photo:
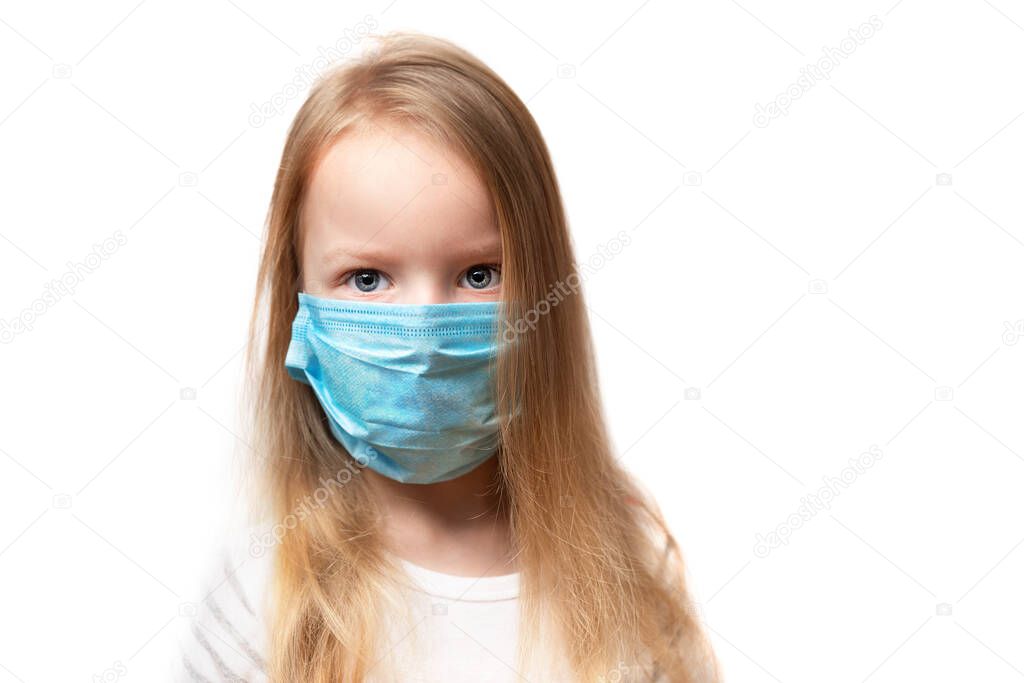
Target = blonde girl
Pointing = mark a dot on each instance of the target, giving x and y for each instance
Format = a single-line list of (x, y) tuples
[(439, 496)]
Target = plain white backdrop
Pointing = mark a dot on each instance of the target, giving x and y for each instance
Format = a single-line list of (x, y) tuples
[(826, 263)]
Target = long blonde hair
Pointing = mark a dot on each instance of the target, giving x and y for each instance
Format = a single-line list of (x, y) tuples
[(599, 570)]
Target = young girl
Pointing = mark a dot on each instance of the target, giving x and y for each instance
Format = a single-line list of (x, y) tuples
[(440, 498)]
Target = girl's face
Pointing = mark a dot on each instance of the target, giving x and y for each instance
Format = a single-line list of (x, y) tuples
[(393, 218)]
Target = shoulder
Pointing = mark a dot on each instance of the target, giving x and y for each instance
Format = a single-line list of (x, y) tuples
[(223, 636)]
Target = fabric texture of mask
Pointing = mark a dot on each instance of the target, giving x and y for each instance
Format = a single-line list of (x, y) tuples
[(408, 388)]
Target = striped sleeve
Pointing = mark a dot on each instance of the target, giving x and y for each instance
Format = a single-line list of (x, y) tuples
[(223, 638)]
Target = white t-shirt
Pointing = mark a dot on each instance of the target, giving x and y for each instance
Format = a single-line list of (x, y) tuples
[(462, 629)]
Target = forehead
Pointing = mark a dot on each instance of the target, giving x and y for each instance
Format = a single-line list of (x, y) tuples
[(393, 189)]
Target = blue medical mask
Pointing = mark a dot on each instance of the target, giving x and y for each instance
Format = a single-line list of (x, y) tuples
[(408, 388)]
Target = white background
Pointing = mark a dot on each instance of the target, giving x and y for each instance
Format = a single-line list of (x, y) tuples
[(811, 278)]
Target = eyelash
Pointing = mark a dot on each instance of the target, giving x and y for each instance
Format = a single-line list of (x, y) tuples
[(349, 274)]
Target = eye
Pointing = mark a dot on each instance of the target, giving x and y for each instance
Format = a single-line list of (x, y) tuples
[(481, 277), (366, 280)]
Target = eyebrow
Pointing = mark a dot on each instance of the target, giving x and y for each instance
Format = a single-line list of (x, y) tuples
[(477, 250), (365, 252)]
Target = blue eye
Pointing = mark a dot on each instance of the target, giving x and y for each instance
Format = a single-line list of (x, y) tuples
[(481, 277), (366, 280)]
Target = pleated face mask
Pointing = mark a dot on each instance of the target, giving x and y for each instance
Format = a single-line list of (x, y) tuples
[(408, 389)]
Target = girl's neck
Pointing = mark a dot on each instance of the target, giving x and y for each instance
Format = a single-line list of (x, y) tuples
[(458, 526)]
